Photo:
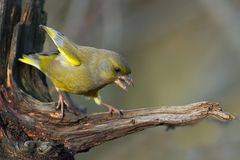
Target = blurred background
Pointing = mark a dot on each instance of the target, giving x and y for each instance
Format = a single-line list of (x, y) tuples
[(180, 52)]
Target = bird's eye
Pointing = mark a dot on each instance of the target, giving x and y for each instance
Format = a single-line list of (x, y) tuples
[(117, 70)]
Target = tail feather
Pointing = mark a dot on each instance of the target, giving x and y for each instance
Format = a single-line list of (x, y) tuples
[(39, 60), (32, 60)]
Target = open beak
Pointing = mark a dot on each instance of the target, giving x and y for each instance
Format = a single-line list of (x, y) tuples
[(124, 81)]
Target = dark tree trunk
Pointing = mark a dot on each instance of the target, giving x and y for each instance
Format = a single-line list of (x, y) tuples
[(28, 128)]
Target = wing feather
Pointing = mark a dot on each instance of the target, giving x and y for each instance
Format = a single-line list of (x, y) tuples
[(66, 47)]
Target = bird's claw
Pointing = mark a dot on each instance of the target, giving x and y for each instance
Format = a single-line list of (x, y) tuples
[(60, 105), (113, 110)]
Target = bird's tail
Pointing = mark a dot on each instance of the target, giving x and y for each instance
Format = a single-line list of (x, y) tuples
[(39, 60), (32, 60)]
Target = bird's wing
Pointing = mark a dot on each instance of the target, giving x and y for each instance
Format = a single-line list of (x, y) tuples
[(67, 48)]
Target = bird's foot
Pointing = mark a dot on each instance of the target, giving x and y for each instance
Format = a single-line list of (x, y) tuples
[(112, 109), (60, 105)]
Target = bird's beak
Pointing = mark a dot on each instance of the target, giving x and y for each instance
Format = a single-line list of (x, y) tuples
[(124, 81)]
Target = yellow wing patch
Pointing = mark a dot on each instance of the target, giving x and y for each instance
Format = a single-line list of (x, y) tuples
[(64, 45)]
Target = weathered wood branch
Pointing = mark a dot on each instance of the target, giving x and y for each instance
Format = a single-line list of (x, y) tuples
[(28, 127), (79, 134)]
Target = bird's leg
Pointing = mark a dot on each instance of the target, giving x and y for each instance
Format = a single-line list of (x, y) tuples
[(110, 108), (61, 103)]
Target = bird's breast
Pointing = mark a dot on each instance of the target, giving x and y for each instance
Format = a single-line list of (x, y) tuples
[(72, 79)]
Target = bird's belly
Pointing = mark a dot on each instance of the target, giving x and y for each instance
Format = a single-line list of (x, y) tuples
[(76, 80), (76, 86)]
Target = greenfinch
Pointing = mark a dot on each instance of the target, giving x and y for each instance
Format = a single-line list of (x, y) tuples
[(80, 69)]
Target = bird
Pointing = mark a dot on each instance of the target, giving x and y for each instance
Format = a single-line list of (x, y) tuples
[(80, 70)]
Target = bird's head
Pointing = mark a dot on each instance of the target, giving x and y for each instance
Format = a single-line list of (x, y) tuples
[(114, 68)]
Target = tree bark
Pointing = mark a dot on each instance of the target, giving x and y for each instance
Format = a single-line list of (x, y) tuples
[(28, 127)]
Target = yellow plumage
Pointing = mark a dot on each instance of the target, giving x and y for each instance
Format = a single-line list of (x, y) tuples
[(80, 69)]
